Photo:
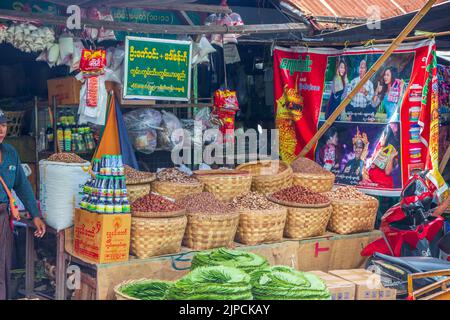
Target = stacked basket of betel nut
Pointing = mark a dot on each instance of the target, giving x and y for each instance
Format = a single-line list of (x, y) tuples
[(308, 212), (138, 182), (157, 226), (176, 184)]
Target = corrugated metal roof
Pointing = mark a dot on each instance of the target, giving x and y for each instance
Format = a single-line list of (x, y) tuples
[(357, 8)]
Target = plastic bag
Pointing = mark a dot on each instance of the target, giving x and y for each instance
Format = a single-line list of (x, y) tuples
[(141, 125), (66, 48), (144, 141), (142, 119), (97, 114), (168, 137), (76, 56)]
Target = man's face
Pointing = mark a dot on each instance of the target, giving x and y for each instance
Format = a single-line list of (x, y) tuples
[(3, 131), (362, 68), (358, 152)]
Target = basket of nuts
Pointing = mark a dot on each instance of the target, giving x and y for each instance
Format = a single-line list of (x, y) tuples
[(260, 220), (353, 211), (157, 226), (211, 222), (176, 184), (268, 175), (308, 173), (138, 182), (308, 211), (225, 184)]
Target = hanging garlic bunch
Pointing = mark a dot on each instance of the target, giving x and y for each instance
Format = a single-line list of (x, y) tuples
[(29, 38)]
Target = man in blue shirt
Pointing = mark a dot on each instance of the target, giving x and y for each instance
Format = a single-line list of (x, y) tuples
[(12, 173)]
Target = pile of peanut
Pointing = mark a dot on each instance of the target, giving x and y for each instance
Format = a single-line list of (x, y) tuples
[(304, 165), (175, 175), (253, 201), (347, 193), (66, 158), (133, 174), (154, 203), (300, 195), (204, 202)]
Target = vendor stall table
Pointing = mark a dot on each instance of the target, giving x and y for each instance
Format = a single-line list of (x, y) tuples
[(328, 252)]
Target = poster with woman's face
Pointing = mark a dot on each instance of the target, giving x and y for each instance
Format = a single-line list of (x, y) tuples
[(364, 155), (380, 98)]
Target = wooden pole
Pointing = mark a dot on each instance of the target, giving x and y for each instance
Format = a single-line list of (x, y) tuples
[(367, 76)]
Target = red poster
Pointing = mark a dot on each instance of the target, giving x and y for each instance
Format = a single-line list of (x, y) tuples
[(382, 135)]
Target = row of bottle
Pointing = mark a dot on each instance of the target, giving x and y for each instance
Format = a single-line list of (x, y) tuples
[(102, 205), (72, 138), (109, 165)]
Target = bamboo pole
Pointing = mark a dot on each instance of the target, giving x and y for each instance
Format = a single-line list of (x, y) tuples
[(367, 76), (341, 44)]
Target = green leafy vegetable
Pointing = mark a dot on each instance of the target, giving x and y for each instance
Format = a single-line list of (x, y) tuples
[(212, 283), (146, 290), (285, 283), (245, 261)]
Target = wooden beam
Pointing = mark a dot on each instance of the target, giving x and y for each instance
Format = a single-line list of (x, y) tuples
[(169, 6), (411, 25), (153, 28), (339, 20)]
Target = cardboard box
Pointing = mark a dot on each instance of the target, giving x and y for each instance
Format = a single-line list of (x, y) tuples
[(339, 288), (101, 238), (66, 90), (368, 284)]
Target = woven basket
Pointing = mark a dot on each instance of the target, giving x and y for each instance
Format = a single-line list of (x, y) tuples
[(207, 231), (268, 176), (151, 214), (156, 236), (176, 190), (122, 296), (225, 184), (352, 216), (317, 182), (306, 222), (260, 226), (136, 191), (15, 119)]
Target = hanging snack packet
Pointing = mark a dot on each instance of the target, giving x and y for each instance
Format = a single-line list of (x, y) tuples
[(93, 62)]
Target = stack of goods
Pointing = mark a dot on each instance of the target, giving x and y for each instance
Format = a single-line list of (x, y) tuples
[(309, 174), (142, 289), (225, 184), (157, 226), (138, 182), (175, 184), (260, 220), (308, 211), (211, 222), (245, 261), (285, 283), (212, 283), (268, 176), (107, 192), (73, 138), (353, 211)]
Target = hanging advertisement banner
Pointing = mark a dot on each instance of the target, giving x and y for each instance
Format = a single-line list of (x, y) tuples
[(383, 134), (157, 69)]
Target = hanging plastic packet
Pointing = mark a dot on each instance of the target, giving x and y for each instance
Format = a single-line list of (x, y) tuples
[(92, 91), (93, 62), (225, 108)]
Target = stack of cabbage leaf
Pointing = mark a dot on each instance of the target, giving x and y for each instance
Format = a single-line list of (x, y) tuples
[(146, 290), (285, 283), (245, 261), (212, 283)]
